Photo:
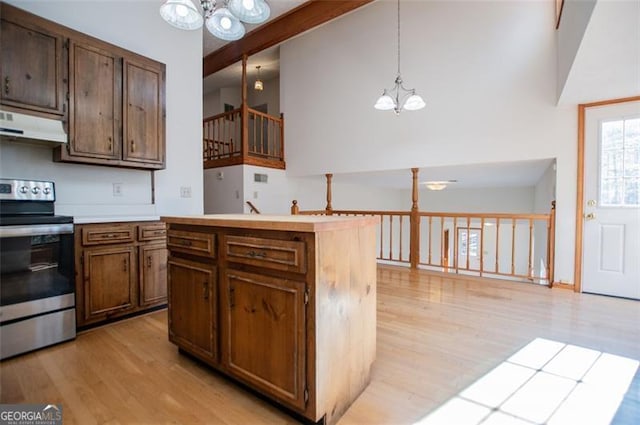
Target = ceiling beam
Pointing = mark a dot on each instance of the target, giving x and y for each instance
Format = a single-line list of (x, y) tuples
[(296, 21)]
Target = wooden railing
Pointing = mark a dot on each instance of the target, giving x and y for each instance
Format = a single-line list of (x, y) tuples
[(243, 136), (511, 246), (223, 139)]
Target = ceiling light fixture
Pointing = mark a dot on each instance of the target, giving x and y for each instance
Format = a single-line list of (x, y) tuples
[(438, 184), (222, 21), (399, 98), (258, 85)]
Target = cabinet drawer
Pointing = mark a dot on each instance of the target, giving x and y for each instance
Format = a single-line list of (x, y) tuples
[(269, 253), (99, 234), (152, 232), (196, 243)]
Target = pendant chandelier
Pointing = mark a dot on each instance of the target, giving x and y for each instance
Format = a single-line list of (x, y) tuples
[(258, 85), (223, 21), (399, 98)]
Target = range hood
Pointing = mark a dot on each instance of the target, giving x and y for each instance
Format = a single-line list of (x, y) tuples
[(30, 129)]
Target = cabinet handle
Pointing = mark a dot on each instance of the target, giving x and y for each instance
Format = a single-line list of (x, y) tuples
[(185, 243), (232, 297), (254, 254), (126, 265), (6, 85), (108, 236), (205, 290), (133, 146), (149, 262)]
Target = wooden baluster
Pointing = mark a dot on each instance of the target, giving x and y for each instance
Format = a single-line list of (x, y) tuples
[(530, 272), (430, 231), (381, 238), (281, 139), (456, 244), (295, 210), (497, 243), (329, 208), (442, 253), (513, 246), (414, 241), (244, 120), (481, 245), (551, 244), (400, 255), (468, 238), (390, 237)]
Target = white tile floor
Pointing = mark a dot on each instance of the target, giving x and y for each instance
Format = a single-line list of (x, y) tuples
[(546, 382)]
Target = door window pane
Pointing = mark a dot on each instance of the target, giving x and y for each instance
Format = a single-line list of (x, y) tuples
[(620, 162)]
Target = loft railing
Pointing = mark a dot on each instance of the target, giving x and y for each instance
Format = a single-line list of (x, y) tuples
[(243, 136), (511, 246), (223, 139)]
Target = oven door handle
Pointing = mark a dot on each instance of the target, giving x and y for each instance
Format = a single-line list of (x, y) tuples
[(35, 230)]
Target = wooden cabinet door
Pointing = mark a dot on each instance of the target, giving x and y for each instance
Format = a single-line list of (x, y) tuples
[(153, 274), (95, 78), (193, 307), (31, 68), (144, 139), (264, 341), (109, 282)]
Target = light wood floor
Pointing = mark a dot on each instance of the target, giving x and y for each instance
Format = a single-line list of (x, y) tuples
[(436, 335)]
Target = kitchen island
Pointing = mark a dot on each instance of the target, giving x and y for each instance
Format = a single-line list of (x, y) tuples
[(284, 304)]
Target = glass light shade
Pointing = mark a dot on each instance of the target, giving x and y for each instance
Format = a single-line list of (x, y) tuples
[(181, 14), (250, 11), (436, 185), (224, 25), (413, 103), (258, 85), (385, 103)]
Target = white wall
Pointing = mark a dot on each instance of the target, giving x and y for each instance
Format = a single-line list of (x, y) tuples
[(223, 190), (211, 104), (487, 71), (270, 95), (576, 15), (477, 200), (87, 190), (544, 193)]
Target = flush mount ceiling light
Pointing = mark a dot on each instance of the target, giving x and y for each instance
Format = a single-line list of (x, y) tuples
[(222, 21), (258, 85), (438, 184), (399, 98)]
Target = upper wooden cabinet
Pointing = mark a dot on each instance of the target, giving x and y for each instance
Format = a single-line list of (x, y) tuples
[(116, 108), (143, 113), (112, 100), (31, 65)]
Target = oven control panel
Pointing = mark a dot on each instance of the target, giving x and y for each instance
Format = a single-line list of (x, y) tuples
[(26, 190)]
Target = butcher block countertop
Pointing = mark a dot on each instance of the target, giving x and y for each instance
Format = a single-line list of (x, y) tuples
[(294, 223)]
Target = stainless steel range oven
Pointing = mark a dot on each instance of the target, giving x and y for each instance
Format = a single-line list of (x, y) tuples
[(37, 300)]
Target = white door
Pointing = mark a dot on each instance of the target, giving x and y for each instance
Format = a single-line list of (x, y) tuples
[(611, 244)]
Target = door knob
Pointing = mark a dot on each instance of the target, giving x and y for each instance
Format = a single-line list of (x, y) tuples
[(590, 216)]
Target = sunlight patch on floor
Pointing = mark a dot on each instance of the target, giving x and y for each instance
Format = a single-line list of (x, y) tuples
[(546, 382)]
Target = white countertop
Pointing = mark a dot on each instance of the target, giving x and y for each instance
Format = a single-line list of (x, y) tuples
[(114, 218)]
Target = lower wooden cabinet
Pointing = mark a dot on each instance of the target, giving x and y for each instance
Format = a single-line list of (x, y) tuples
[(264, 322), (152, 260), (109, 282), (289, 313), (118, 274), (193, 320)]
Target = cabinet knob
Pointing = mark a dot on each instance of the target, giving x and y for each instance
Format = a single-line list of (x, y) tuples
[(6, 85)]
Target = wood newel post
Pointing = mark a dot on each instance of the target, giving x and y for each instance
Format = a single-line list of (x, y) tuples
[(414, 234), (244, 112), (295, 210), (281, 136), (551, 241), (329, 208)]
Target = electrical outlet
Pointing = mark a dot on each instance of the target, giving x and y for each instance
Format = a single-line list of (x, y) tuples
[(185, 191), (117, 189)]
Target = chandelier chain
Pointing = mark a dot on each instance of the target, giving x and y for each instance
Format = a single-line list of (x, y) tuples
[(398, 37)]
